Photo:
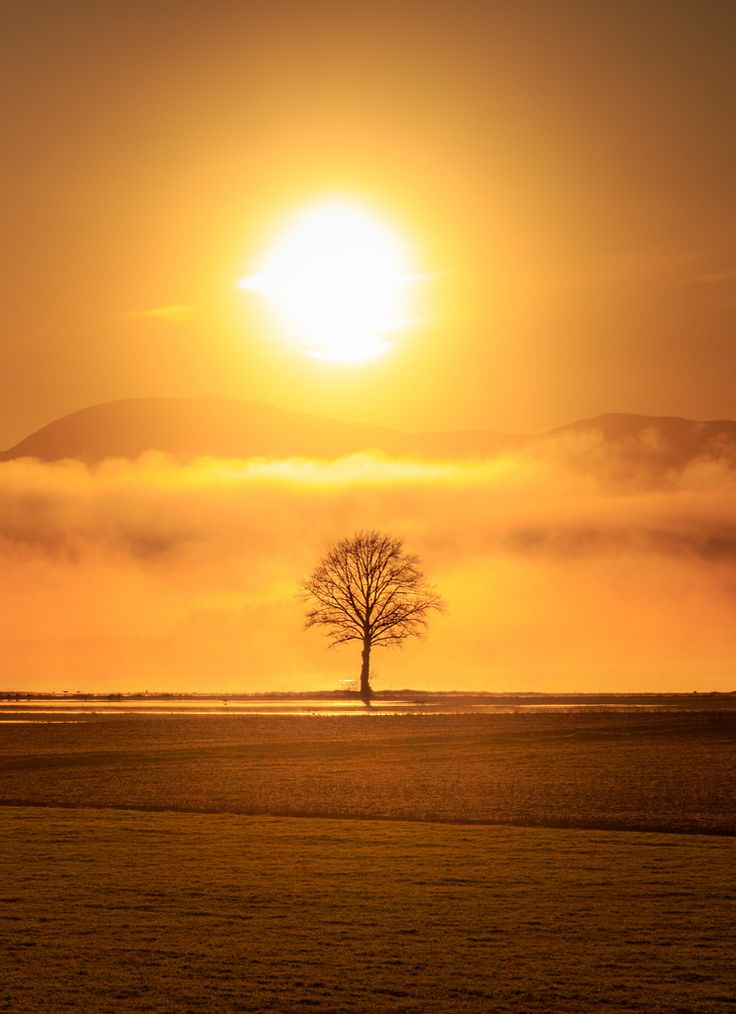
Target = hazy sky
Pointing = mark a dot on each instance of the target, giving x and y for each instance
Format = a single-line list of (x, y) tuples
[(565, 172), (562, 175)]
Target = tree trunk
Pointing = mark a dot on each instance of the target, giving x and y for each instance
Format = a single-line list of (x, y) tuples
[(365, 686)]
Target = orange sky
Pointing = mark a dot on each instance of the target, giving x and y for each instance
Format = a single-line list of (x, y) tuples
[(563, 174), (565, 169)]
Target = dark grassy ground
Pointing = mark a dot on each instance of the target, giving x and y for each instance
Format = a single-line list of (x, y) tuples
[(655, 771), (108, 911), (105, 910)]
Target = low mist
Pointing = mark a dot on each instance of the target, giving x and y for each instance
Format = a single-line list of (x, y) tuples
[(559, 573)]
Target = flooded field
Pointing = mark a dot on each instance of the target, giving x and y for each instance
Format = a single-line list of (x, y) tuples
[(176, 860), (21, 707)]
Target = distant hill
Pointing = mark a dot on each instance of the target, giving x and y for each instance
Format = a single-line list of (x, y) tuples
[(188, 428), (660, 443)]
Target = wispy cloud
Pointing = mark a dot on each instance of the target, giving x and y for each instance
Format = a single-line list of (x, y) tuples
[(653, 266), (173, 312), (716, 277)]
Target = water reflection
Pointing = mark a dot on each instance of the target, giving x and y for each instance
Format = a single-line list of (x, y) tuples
[(52, 710)]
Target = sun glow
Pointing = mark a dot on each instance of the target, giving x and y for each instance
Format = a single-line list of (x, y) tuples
[(338, 279)]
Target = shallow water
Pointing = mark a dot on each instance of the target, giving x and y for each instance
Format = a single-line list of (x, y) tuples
[(61, 709)]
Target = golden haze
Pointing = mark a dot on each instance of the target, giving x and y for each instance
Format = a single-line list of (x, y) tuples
[(562, 175), (579, 218), (154, 575)]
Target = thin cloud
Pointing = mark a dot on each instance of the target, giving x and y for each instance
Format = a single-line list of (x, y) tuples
[(655, 266), (716, 277), (173, 312)]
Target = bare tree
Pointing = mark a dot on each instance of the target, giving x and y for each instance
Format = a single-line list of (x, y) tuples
[(368, 589)]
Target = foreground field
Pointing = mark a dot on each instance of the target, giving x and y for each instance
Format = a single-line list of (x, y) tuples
[(663, 772), (106, 911)]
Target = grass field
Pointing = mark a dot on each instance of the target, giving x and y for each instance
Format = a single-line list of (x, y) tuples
[(144, 867), (665, 772), (109, 910)]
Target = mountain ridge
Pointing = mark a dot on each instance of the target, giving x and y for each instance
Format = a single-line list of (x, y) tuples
[(190, 428)]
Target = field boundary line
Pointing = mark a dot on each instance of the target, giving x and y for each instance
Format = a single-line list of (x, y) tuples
[(602, 826)]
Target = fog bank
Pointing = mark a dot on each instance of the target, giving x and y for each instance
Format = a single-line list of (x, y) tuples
[(557, 576)]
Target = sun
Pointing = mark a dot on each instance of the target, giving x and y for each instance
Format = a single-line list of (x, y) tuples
[(338, 278)]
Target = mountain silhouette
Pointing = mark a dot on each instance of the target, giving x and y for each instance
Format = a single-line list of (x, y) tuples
[(189, 428), (659, 443)]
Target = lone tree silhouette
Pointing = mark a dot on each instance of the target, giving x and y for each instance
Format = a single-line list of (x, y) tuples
[(368, 589)]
